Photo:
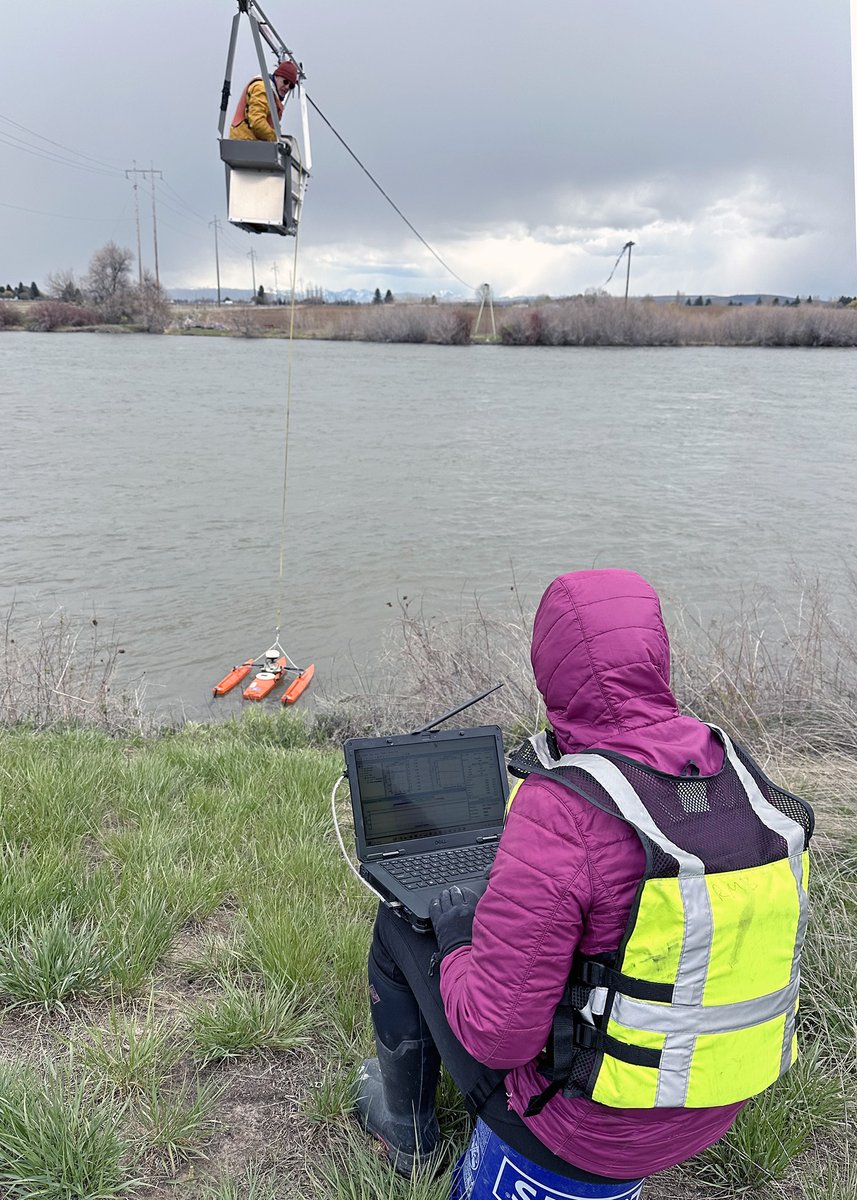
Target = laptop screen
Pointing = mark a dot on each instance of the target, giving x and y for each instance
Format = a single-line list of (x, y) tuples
[(410, 788)]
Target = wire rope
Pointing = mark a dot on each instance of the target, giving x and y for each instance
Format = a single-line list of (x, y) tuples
[(391, 202)]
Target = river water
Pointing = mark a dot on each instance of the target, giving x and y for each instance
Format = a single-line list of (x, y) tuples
[(141, 478)]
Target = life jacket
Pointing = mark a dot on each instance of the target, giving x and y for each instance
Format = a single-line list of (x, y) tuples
[(697, 1007), (240, 116)]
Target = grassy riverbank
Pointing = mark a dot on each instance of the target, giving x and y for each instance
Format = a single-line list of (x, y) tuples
[(182, 949), (182, 960)]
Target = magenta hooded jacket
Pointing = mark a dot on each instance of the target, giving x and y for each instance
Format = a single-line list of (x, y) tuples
[(566, 873)]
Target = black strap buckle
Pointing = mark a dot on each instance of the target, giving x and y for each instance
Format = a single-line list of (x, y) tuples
[(592, 973), (586, 1036)]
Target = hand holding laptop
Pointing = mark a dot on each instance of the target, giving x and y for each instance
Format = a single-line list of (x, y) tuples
[(451, 916)]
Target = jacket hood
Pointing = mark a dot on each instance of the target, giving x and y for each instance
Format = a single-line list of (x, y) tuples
[(601, 660)]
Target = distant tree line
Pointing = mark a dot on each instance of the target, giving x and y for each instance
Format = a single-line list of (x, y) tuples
[(21, 292), (106, 295)]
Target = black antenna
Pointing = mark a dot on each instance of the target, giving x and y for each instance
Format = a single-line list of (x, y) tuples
[(439, 721)]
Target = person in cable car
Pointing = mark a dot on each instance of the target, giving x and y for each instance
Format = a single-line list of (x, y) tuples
[(252, 119)]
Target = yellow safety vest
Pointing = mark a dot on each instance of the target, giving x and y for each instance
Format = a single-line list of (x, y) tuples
[(697, 1008)]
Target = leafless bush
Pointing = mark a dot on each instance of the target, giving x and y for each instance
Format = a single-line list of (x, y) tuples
[(416, 323), (244, 322), (56, 673), (63, 285), (9, 315), (448, 325), (46, 315), (784, 680), (151, 305), (108, 283), (432, 664), (605, 321), (784, 674)]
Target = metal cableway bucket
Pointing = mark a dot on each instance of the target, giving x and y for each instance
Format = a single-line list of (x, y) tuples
[(265, 185)]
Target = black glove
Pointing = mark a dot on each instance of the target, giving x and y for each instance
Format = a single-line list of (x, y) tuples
[(451, 915)]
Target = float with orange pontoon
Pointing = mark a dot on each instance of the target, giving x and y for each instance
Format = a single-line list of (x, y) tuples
[(276, 666)]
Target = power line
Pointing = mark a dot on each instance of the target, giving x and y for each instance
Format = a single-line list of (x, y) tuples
[(16, 143), (39, 212), (65, 149)]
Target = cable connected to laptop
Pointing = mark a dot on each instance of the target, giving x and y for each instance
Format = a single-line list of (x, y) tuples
[(354, 871)]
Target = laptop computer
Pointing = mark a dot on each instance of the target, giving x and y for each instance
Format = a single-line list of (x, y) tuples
[(428, 811)]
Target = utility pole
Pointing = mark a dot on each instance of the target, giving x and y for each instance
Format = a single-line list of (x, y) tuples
[(128, 175), (628, 246), (216, 224), (252, 257), (276, 282), (152, 173)]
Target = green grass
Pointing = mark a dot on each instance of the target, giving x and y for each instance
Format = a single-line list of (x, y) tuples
[(132, 1052), (176, 918), (45, 961), (243, 1019), (175, 1123), (60, 1138)]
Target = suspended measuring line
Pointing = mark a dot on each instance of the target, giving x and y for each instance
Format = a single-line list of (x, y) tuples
[(392, 204), (286, 435)]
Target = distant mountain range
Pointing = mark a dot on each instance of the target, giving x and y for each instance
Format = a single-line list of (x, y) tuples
[(348, 296), (365, 295)]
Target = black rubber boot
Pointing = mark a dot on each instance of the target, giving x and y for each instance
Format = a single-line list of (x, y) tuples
[(395, 1102), (395, 1090)]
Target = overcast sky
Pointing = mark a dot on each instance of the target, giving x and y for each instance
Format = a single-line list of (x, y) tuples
[(526, 141)]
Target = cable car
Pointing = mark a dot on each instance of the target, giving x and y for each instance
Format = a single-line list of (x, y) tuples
[(265, 180)]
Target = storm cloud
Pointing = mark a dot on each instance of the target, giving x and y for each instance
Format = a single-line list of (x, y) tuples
[(527, 143)]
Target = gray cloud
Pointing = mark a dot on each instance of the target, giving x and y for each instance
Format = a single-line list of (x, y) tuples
[(525, 142)]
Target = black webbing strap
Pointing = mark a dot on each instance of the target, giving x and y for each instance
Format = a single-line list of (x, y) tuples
[(598, 974), (562, 1045), (484, 1087), (588, 1038)]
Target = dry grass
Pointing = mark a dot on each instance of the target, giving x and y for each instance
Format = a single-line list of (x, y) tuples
[(58, 673), (578, 321)]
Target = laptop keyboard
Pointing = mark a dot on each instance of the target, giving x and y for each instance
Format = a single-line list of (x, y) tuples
[(441, 866)]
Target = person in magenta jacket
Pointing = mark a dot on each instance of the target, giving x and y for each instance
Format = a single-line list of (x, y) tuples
[(564, 879)]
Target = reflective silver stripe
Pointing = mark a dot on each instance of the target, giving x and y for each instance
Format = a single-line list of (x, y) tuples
[(722, 1018), (791, 831), (796, 864), (623, 796), (695, 957), (794, 835), (674, 1071)]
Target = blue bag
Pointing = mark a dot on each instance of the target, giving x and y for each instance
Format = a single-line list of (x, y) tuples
[(490, 1170)]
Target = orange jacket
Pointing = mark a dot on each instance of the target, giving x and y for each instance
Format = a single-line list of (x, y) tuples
[(252, 121)]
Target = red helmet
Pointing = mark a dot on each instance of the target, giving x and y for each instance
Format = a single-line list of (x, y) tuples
[(288, 71)]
